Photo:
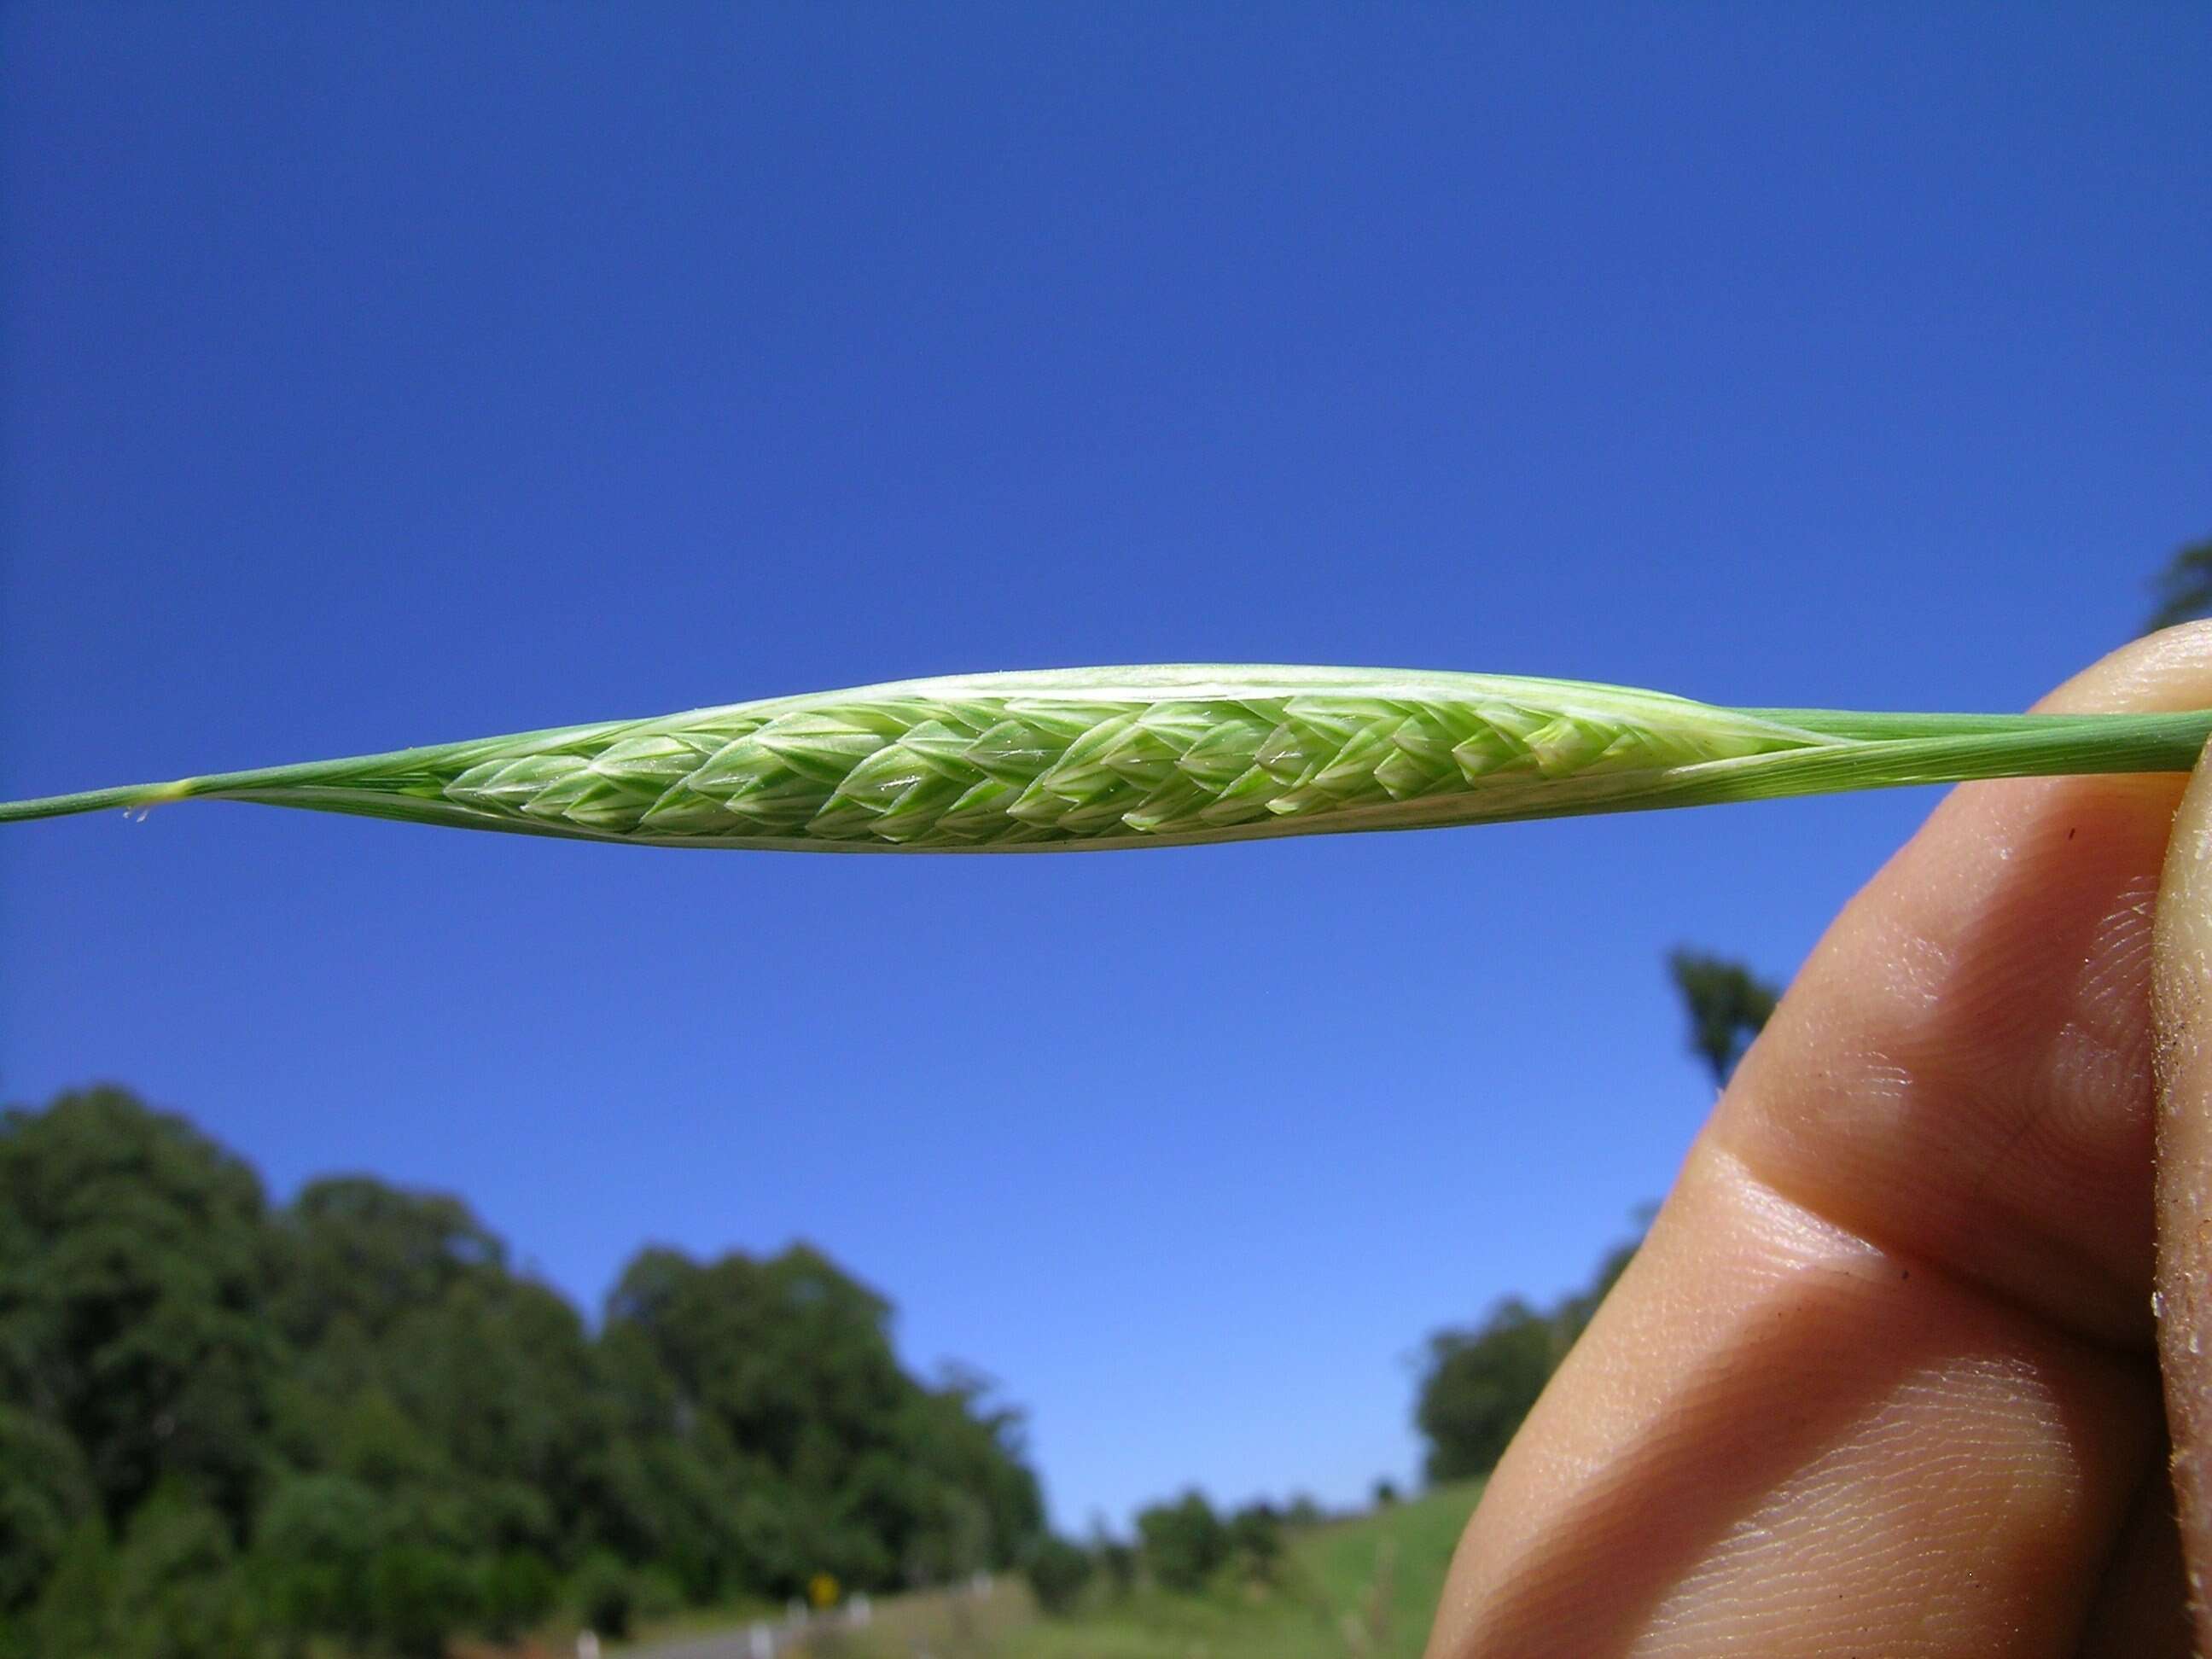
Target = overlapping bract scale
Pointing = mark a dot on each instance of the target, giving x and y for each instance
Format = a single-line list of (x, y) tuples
[(1023, 769)]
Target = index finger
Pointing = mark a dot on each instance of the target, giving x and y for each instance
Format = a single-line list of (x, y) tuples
[(1880, 1381)]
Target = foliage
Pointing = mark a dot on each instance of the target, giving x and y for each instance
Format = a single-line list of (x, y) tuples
[(1727, 1005), (134, 1274), (1479, 1384), (606, 1596), (1182, 1544), (46, 1494), (173, 1594), (419, 1593), (75, 1613), (1365, 1586), (519, 1590), (1115, 1558), (2183, 590), (1059, 1572), (779, 1376), (349, 1421), (315, 1544), (1255, 1540)]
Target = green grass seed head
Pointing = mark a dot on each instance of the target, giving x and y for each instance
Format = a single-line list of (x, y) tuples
[(1159, 756)]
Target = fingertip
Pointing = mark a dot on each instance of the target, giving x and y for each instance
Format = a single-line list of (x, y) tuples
[(2166, 671), (1962, 1070)]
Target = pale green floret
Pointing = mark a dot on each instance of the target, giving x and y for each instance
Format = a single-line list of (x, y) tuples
[(1161, 756), (937, 768)]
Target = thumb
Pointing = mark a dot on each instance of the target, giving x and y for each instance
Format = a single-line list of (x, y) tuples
[(2181, 983)]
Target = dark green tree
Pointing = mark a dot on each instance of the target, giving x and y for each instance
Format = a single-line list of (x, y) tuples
[(975, 1502), (46, 1494), (605, 1594), (468, 1398), (520, 1589), (1183, 1544), (1479, 1384), (500, 1377), (360, 1254), (133, 1270), (1727, 1004), (1255, 1540), (1116, 1558), (76, 1614), (783, 1374), (2183, 591), (419, 1596), (176, 1595), (351, 1425), (696, 1505), (1058, 1573), (314, 1544)]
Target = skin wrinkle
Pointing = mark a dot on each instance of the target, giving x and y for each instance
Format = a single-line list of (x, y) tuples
[(1642, 1554), (2057, 1261), (2087, 1071), (1935, 1166), (2009, 1486), (1808, 1317), (2140, 1610), (2115, 987)]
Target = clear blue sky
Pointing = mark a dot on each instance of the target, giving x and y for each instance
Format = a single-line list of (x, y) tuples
[(383, 376)]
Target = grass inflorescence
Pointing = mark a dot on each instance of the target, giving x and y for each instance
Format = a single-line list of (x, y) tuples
[(1100, 758)]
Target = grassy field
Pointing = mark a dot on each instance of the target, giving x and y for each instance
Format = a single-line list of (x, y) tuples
[(1363, 1589)]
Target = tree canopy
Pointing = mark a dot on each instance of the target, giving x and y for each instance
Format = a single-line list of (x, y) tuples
[(236, 1428), (1727, 1004), (2183, 591)]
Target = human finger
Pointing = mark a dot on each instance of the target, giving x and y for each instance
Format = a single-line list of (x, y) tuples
[(1881, 1380)]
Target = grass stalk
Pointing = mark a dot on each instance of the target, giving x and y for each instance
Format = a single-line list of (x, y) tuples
[(1161, 756)]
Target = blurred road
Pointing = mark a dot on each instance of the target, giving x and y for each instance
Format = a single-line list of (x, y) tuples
[(746, 1642)]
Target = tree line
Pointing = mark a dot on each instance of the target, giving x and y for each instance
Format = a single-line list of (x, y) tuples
[(1183, 1546), (229, 1428)]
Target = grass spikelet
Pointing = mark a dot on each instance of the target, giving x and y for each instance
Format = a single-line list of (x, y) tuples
[(1159, 756)]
